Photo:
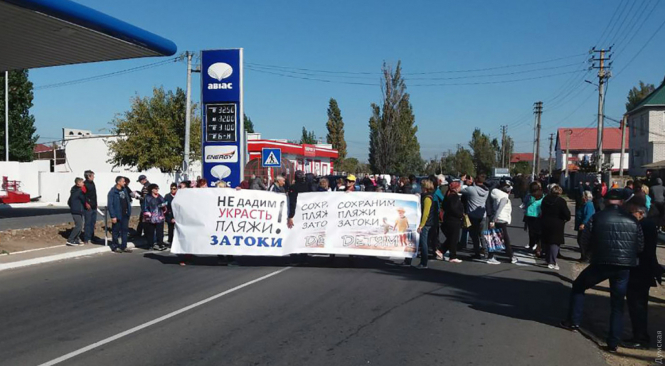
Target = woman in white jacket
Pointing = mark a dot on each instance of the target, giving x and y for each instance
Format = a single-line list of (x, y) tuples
[(501, 218)]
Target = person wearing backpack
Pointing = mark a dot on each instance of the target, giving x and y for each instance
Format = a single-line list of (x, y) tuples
[(76, 205)]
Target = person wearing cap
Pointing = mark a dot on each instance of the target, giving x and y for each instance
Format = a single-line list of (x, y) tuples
[(90, 212), (615, 239), (141, 197), (350, 183)]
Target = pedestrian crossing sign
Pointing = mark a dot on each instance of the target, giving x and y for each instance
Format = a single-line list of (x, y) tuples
[(271, 158)]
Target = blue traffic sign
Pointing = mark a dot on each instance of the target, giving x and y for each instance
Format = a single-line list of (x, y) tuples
[(271, 158)]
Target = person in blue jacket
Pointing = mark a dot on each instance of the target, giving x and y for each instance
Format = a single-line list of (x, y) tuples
[(582, 217), (120, 210)]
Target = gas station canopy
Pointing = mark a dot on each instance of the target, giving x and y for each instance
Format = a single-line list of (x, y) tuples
[(40, 33)]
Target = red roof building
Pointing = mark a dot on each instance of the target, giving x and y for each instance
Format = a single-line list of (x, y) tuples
[(583, 145), (40, 148), (316, 159), (517, 157)]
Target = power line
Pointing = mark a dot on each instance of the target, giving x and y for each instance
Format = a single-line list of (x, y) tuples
[(610, 22), (108, 75), (412, 73), (637, 31), (411, 85), (641, 49)]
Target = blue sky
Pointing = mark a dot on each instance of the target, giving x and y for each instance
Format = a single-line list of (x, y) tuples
[(358, 36)]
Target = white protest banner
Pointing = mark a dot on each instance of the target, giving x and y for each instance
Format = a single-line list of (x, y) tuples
[(225, 221), (216, 221), (356, 223)]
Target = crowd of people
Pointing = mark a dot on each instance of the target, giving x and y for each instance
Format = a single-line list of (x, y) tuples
[(617, 227)]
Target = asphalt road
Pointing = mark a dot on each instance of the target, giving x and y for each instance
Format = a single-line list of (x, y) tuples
[(353, 311)]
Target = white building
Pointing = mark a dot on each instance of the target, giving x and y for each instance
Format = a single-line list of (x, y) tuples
[(646, 124)]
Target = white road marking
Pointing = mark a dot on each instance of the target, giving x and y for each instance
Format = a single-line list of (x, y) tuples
[(158, 320)]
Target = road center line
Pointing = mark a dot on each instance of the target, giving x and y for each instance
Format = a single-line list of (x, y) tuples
[(158, 320)]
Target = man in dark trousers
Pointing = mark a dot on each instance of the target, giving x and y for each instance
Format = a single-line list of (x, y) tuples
[(615, 239), (642, 277), (300, 186), (90, 211), (120, 210), (141, 196)]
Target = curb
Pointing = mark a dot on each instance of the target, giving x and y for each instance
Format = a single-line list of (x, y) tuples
[(58, 257)]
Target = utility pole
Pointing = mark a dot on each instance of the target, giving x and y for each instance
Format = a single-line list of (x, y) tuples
[(550, 158), (603, 76), (624, 124), (538, 111), (6, 115), (188, 114), (504, 128), (567, 157)]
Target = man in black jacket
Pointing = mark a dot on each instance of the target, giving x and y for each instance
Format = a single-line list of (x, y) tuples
[(90, 212), (615, 240), (300, 186)]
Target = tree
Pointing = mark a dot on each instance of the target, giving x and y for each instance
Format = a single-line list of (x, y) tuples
[(484, 151), (152, 132), (248, 124), (349, 165), (335, 126), (22, 137), (308, 137), (636, 95), (521, 167), (463, 163), (394, 147)]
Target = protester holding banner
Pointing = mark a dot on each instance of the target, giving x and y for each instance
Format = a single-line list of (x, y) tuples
[(501, 218), (170, 219), (453, 213), (555, 214), (300, 186), (427, 221)]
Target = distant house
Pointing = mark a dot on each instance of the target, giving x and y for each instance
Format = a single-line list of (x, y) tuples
[(583, 145), (646, 124), (518, 157)]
